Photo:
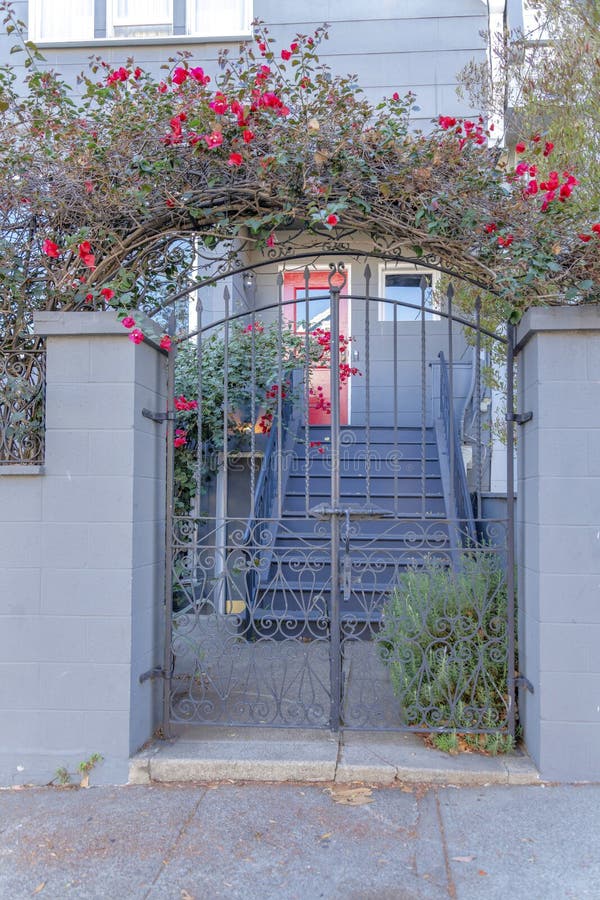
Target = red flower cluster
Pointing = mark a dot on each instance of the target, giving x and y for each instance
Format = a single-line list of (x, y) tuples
[(50, 249), (121, 74), (136, 336), (128, 322), (180, 439), (180, 75), (464, 129), (254, 326), (265, 422), (318, 446), (184, 405), (287, 54), (165, 343), (86, 256)]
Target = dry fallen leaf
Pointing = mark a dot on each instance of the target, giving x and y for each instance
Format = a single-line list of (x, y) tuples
[(463, 858), (482, 872), (185, 895), (39, 888), (351, 796), (326, 836)]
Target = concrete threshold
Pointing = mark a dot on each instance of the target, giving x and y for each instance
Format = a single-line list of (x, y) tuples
[(205, 753)]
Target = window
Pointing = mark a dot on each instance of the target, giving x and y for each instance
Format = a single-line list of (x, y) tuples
[(86, 20), (404, 287)]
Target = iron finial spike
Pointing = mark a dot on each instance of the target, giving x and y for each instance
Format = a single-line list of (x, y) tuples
[(423, 283), (306, 276), (226, 294), (450, 291), (367, 273)]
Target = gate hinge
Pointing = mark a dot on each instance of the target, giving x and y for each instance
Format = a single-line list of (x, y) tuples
[(523, 682), (520, 418), (156, 672), (157, 416)]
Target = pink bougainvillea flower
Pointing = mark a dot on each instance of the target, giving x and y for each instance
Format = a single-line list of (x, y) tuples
[(107, 293), (254, 326), (536, 138), (294, 46), (532, 188), (128, 322), (184, 405), (548, 148), (505, 241), (165, 342), (446, 122), (522, 169), (285, 55), (584, 237), (179, 75), (89, 298), (247, 136), (137, 73), (136, 336), (89, 187), (395, 95), (162, 88), (86, 255), (490, 228), (197, 73), (520, 148), (596, 228), (235, 159), (220, 104), (271, 240), (180, 437), (262, 47), (332, 219), (121, 74), (50, 249), (565, 191), (214, 139)]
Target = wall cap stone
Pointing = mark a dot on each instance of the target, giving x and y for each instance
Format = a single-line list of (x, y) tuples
[(21, 469), (50, 322), (557, 319)]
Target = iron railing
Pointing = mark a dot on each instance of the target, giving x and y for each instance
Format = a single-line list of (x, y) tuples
[(267, 486), (22, 396)]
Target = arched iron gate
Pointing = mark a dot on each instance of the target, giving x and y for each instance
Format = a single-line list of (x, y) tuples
[(333, 565)]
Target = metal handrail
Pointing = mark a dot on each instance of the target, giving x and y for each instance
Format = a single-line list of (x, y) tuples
[(267, 484), (460, 498)]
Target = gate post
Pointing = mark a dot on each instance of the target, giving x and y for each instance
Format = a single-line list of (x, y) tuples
[(558, 502), (92, 552)]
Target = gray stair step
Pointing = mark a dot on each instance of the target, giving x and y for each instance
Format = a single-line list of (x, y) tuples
[(403, 506), (380, 485)]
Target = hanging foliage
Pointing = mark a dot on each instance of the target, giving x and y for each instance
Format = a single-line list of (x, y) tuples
[(101, 185)]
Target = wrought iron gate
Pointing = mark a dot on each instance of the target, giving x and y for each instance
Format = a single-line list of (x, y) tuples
[(329, 575)]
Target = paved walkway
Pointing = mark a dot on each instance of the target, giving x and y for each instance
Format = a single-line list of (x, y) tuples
[(192, 842)]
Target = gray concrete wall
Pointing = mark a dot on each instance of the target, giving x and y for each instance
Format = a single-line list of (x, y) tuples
[(81, 560), (417, 45), (559, 539)]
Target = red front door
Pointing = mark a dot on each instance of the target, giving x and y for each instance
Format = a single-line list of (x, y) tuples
[(318, 317)]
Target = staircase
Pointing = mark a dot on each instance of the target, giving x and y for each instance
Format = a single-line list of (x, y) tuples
[(390, 524)]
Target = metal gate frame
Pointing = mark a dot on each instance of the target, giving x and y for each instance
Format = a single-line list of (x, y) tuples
[(340, 516)]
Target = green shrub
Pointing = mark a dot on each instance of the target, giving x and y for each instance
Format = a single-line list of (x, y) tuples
[(444, 641)]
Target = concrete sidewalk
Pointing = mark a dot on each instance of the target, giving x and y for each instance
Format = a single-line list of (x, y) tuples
[(298, 841), (253, 754)]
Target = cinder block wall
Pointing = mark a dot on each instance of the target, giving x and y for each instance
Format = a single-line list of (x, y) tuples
[(559, 540), (81, 560)]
